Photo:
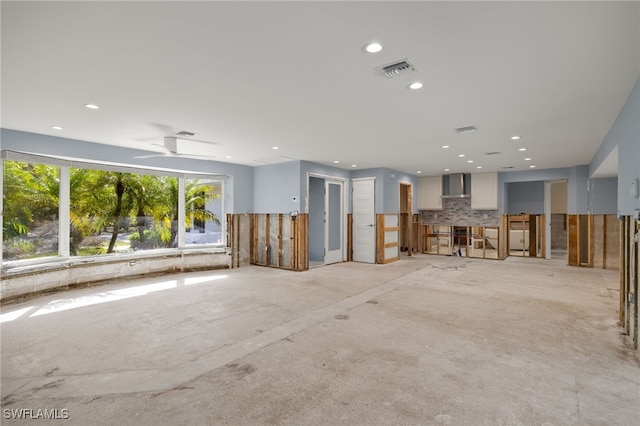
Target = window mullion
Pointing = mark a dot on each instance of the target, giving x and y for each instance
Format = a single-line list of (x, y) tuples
[(181, 212), (64, 205)]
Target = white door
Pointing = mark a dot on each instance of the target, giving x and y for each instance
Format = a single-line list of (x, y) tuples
[(333, 223), (364, 221)]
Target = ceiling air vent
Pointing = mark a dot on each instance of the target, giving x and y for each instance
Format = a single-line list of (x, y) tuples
[(507, 167), (396, 68), (185, 134), (466, 129), (492, 153)]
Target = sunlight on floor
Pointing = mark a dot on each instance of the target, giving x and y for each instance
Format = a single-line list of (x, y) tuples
[(107, 296)]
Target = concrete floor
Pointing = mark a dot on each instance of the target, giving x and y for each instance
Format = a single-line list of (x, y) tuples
[(427, 340)]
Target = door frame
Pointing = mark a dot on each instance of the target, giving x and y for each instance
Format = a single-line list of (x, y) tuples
[(409, 186), (343, 208), (547, 215)]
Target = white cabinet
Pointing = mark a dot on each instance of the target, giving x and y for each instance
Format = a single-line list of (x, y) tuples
[(430, 193), (484, 191)]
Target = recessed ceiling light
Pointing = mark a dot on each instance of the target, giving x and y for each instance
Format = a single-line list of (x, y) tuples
[(228, 156), (478, 167), (57, 127), (445, 147), (354, 165), (415, 85), (335, 161), (460, 155), (515, 138), (446, 170), (532, 167), (419, 171), (469, 161), (275, 147), (373, 47), (522, 149), (527, 159), (92, 106)]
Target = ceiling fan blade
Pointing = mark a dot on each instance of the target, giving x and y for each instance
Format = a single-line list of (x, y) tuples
[(197, 156), (151, 156)]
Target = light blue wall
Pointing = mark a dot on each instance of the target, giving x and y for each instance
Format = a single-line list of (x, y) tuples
[(387, 188), (392, 190), (625, 134), (238, 186), (307, 168), (274, 186), (378, 174), (526, 197), (603, 196), (577, 186)]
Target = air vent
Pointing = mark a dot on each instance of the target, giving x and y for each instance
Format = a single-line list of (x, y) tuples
[(396, 68), (185, 134), (507, 167), (466, 129), (492, 153)]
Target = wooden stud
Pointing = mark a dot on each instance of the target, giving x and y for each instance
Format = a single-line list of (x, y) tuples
[(590, 241), (379, 238), (279, 262), (622, 272)]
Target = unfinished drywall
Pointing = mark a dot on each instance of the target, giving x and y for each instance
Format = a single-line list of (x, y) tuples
[(606, 242)]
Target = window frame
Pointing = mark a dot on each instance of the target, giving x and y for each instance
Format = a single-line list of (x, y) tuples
[(64, 196)]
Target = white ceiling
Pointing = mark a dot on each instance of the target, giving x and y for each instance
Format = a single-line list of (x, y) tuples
[(251, 75)]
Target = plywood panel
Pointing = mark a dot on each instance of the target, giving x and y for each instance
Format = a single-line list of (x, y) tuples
[(612, 246)]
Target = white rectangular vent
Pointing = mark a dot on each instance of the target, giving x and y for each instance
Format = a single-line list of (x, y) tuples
[(394, 69)]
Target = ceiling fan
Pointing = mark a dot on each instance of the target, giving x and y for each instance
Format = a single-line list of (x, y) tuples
[(177, 147)]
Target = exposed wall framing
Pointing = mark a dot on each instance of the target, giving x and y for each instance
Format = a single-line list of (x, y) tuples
[(593, 241), (274, 240), (484, 242), (629, 271), (387, 232), (239, 239)]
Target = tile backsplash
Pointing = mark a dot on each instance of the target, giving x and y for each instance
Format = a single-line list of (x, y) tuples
[(457, 212)]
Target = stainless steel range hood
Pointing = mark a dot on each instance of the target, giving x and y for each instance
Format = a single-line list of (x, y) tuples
[(455, 186)]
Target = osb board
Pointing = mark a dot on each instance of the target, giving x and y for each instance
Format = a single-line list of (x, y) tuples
[(573, 242), (599, 240), (612, 229)]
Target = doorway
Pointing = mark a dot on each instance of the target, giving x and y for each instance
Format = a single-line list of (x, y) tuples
[(555, 209), (326, 209), (406, 231)]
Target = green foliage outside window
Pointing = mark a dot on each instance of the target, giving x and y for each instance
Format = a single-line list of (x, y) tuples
[(108, 212)]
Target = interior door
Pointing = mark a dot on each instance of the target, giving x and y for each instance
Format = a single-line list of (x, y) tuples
[(364, 221), (333, 229)]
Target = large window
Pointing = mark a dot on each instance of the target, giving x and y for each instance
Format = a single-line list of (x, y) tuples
[(203, 205), (104, 211), (121, 212), (30, 194)]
